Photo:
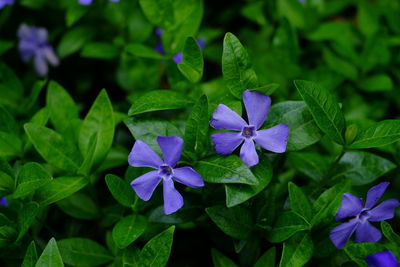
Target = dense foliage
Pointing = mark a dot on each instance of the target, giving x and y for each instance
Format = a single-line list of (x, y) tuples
[(281, 116)]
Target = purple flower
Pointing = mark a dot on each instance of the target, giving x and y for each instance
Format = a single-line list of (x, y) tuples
[(88, 2), (3, 3), (382, 259), (352, 206), (33, 44), (257, 105), (143, 156), (3, 201)]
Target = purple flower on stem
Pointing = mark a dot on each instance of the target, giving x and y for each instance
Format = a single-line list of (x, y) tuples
[(33, 44), (382, 259), (3, 3), (352, 206), (88, 2), (143, 156), (3, 201), (257, 106)]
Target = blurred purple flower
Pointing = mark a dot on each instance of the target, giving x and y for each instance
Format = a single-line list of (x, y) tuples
[(382, 259), (88, 2), (257, 106), (177, 58), (33, 44), (352, 206), (143, 156), (3, 3), (3, 201)]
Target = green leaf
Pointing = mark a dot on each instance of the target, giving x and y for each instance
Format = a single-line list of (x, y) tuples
[(362, 167), (268, 89), (100, 51), (61, 106), (31, 177), (236, 67), (143, 51), (99, 121), (197, 128), (53, 147), (379, 134), (286, 226), (6, 183), (235, 222), (340, 65), (7, 122), (159, 100), (324, 109), (79, 206), (297, 251), (310, 164), (10, 145), (220, 260), (377, 83), (327, 204), (390, 234), (156, 251), (159, 12), (192, 62), (128, 229), (88, 162), (239, 193), (50, 256), (26, 217), (183, 215), (230, 169), (120, 190), (299, 202), (59, 188), (267, 259), (359, 251), (73, 40), (30, 256), (83, 252), (303, 129)]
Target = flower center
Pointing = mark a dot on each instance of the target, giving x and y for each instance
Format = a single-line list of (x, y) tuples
[(249, 131), (364, 215), (165, 171)]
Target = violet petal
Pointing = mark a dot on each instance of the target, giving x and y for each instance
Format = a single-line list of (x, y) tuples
[(188, 177), (145, 185), (342, 233), (225, 118), (384, 211), (374, 194), (40, 64), (226, 143), (273, 139), (143, 156), (349, 207), (382, 259), (173, 200), (365, 232), (257, 107), (171, 147), (248, 153)]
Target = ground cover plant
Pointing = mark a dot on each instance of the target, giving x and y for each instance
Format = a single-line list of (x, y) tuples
[(199, 133)]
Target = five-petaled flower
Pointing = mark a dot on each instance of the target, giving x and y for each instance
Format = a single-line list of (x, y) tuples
[(3, 201), (3, 3), (257, 106), (88, 2), (382, 259), (33, 44), (143, 156), (352, 207)]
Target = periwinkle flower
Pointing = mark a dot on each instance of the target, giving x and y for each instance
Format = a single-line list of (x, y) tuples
[(3, 201), (88, 2), (382, 259), (3, 3), (143, 156), (257, 106), (33, 44), (352, 207)]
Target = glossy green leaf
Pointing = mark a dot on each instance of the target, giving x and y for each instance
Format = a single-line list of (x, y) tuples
[(220, 260), (128, 229), (83, 252), (379, 134), (236, 67), (50, 256), (159, 12), (156, 251), (299, 203), (10, 145), (73, 40), (79, 206), (239, 193), (143, 51), (120, 190), (267, 259), (362, 167), (26, 217), (59, 188), (303, 129), (235, 222), (310, 164), (297, 251), (53, 147), (377, 83), (31, 256), (358, 252), (230, 169), (192, 61), (324, 109), (286, 226), (183, 215), (31, 177), (159, 100), (100, 51), (388, 232)]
